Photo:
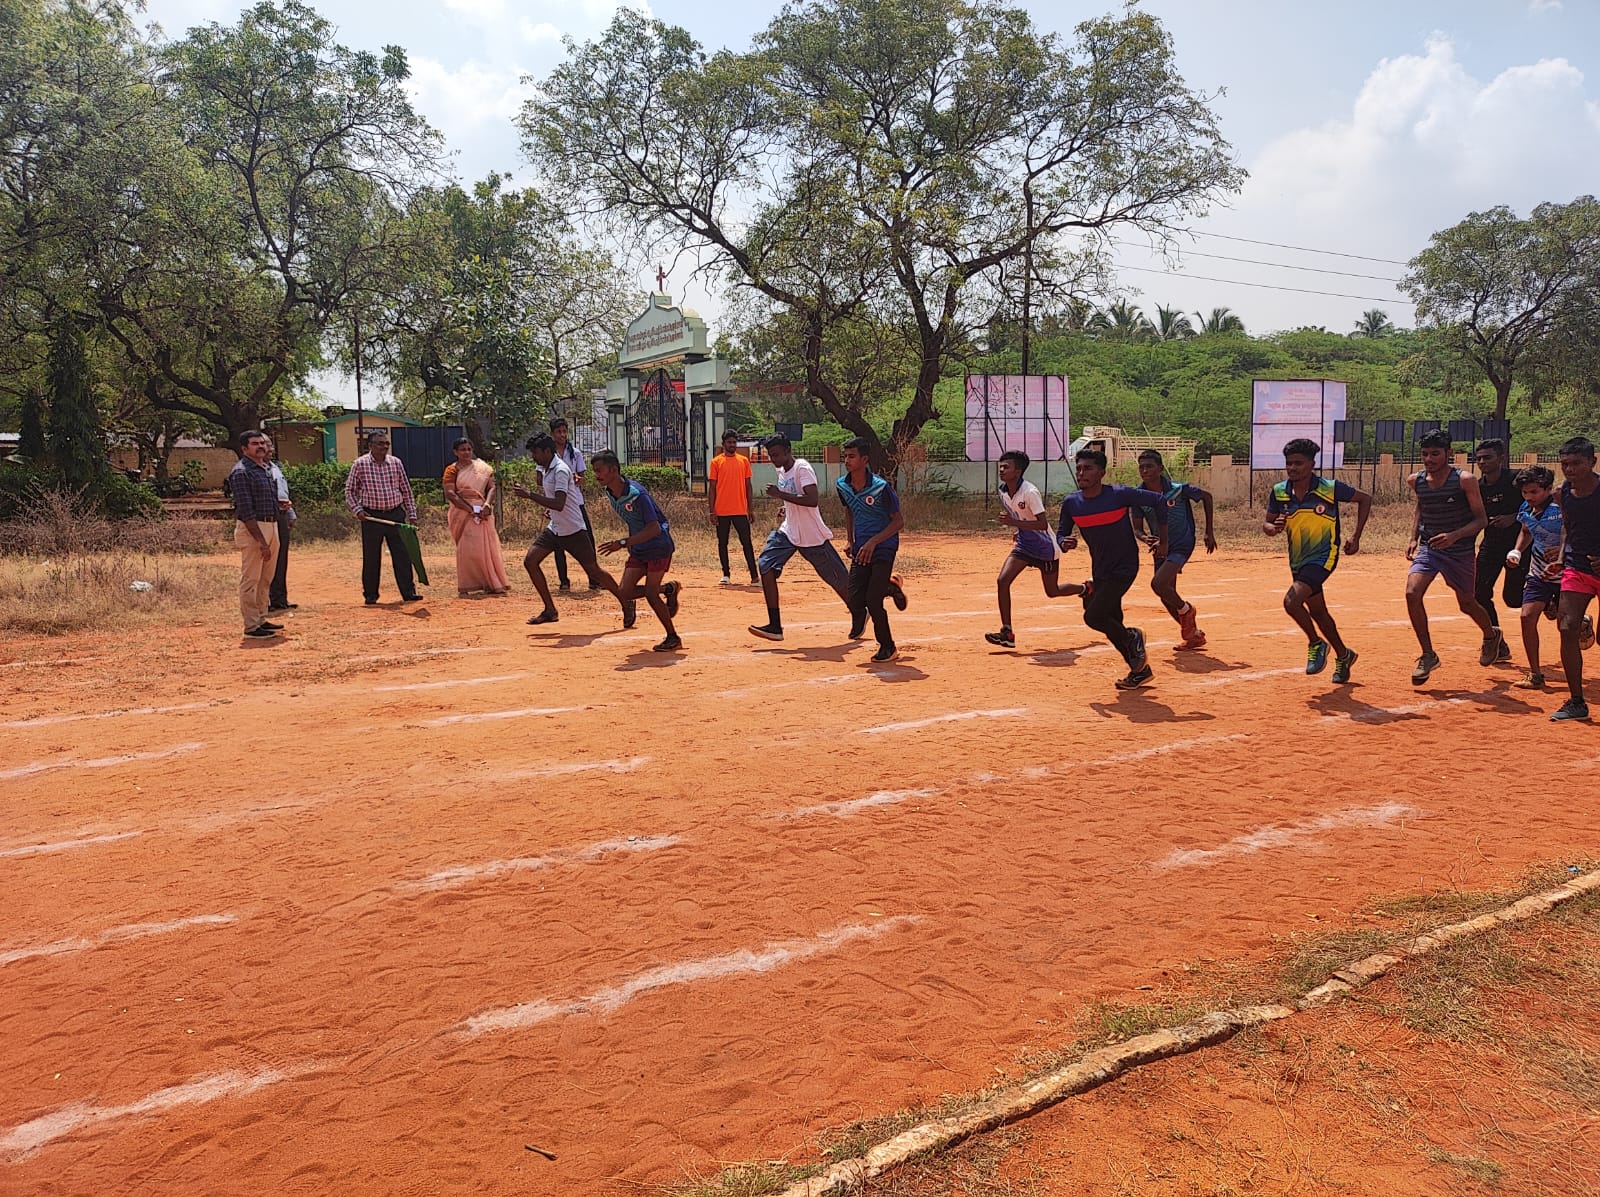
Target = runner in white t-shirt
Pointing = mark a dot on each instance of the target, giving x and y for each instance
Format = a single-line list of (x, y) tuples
[(567, 531), (1022, 508), (802, 531)]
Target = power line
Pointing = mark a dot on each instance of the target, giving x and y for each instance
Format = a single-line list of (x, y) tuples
[(1233, 282), (1332, 253), (1195, 253)]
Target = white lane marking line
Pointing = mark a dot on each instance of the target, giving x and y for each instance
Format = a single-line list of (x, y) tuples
[(465, 681), (853, 806), (613, 766), (1287, 835), (103, 762), (1289, 632), (115, 935), (491, 716), (1254, 675), (710, 968), (87, 841), (956, 717), (418, 652), (24, 1140), (454, 878), (832, 680), (1039, 772), (1406, 623), (44, 720), (51, 661)]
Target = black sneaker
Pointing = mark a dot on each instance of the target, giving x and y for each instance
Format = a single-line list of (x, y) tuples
[(1426, 664), (897, 591), (1005, 638), (411, 598), (858, 631), (670, 645), (630, 615), (1341, 666), (1136, 678), (370, 602), (1573, 708), (261, 633), (1316, 656), (1505, 649), (1137, 635), (670, 591), (563, 587), (766, 631), (276, 607), (884, 655), (272, 627), (1492, 644)]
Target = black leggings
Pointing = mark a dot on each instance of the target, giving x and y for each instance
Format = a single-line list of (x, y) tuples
[(1102, 611), (1491, 560), (741, 525), (869, 586)]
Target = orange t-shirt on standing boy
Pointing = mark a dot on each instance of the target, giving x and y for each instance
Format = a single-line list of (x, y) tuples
[(730, 475)]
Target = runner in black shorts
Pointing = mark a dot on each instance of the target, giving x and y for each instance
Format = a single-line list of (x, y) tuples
[(566, 531), (1305, 507)]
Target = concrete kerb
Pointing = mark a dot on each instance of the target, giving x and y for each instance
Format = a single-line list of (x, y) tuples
[(1108, 1063)]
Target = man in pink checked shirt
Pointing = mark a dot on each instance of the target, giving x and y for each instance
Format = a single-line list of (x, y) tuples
[(378, 489)]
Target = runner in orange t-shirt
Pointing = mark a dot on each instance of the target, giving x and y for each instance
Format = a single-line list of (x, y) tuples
[(729, 501)]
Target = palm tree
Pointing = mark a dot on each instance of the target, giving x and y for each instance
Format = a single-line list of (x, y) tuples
[(1221, 320), (1172, 325), (1122, 321), (1374, 322)]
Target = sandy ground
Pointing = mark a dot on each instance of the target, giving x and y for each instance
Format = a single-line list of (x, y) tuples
[(370, 909)]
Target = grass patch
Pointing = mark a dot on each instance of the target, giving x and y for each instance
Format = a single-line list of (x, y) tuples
[(91, 591), (1481, 1168)]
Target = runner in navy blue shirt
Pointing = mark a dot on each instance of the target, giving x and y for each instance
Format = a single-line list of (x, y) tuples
[(1580, 577), (1100, 513), (872, 523), (1180, 498), (648, 543)]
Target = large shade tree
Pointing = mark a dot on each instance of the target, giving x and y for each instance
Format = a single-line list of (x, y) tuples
[(877, 164)]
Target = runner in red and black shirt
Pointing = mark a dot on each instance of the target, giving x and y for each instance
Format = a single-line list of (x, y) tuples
[(1100, 513)]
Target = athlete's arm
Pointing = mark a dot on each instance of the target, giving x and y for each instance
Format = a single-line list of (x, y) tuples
[(711, 496), (1156, 504), (1480, 518), (1416, 520), (1277, 518), (897, 521), (806, 498), (647, 533), (1363, 502), (1208, 503), (1524, 539), (1064, 536)]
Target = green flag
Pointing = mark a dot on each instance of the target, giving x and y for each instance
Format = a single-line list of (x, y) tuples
[(408, 537)]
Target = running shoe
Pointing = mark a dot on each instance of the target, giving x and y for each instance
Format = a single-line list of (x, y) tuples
[(670, 645), (1573, 708), (270, 626), (1492, 643), (1316, 657), (1004, 638), (726, 580), (670, 590), (1341, 666), (1198, 640), (766, 631), (884, 655), (630, 615), (1530, 681), (1136, 678), (1505, 649), (858, 631), (1426, 664), (1136, 635), (897, 591), (1586, 634), (1187, 624), (260, 633)]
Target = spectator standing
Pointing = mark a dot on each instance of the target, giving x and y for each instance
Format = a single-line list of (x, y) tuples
[(255, 532), (730, 498), (378, 489), (279, 600)]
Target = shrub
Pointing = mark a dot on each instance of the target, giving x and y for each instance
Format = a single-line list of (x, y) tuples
[(121, 498), (658, 479), (319, 481)]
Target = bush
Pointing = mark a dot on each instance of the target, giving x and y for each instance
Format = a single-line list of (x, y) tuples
[(23, 487), (121, 498), (658, 479), (428, 492), (320, 481)]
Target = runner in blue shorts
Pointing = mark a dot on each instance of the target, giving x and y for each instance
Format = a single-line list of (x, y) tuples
[(1449, 517), (1181, 498), (1305, 508), (1539, 545)]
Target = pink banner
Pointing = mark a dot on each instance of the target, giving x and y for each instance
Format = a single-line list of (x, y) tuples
[(1017, 411)]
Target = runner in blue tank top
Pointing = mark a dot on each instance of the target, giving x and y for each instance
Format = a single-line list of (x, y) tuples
[(1449, 517), (1180, 498)]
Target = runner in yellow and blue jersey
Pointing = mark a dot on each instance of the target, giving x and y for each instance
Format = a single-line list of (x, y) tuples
[(1305, 508)]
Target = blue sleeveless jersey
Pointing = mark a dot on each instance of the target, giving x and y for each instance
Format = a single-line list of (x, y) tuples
[(871, 508)]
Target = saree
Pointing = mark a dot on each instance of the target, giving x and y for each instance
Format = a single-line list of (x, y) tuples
[(479, 565)]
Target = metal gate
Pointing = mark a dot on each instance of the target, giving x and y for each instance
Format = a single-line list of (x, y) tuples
[(658, 422)]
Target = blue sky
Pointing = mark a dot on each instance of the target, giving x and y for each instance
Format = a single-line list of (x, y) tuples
[(1365, 125)]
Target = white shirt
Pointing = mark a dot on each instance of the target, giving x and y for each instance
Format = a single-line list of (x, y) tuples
[(283, 483), (573, 456), (1028, 504), (802, 525), (554, 479)]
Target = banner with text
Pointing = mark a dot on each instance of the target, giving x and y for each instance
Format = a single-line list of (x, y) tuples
[(1282, 411), (1017, 411)]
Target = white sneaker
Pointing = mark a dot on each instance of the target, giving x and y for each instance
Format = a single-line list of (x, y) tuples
[(726, 580)]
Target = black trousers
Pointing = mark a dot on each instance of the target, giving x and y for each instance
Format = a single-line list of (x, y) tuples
[(561, 556), (278, 595), (869, 586), (1102, 611), (741, 525), (373, 538), (1491, 561)]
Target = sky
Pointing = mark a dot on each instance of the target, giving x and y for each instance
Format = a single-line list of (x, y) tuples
[(1364, 127)]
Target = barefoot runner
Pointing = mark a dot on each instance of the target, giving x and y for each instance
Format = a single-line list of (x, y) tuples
[(1022, 508), (1100, 513), (648, 544), (1180, 499), (1305, 507)]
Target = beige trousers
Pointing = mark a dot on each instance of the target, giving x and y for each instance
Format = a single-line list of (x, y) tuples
[(255, 571)]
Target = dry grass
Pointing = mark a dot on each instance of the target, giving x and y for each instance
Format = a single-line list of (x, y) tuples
[(89, 591), (59, 522)]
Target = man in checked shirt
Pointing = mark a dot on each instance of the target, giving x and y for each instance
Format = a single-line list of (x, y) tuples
[(377, 489)]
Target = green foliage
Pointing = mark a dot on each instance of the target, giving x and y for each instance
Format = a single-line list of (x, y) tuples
[(121, 498), (24, 485), (317, 482), (31, 439), (658, 479), (428, 492), (77, 447)]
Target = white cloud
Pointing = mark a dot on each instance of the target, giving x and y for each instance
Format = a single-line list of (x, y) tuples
[(1544, 5), (470, 95), (1424, 144)]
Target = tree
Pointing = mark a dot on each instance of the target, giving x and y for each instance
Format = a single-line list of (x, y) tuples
[(77, 446), (881, 161), (1172, 325), (1122, 321), (1221, 322), (1515, 297), (1374, 323), (30, 433)]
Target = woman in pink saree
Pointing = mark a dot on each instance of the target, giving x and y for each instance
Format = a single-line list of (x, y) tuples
[(469, 489)]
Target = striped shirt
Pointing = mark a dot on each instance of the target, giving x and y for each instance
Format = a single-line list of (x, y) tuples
[(1106, 529), (255, 494), (379, 486)]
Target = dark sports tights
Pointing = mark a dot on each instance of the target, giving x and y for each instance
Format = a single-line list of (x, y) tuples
[(1102, 611)]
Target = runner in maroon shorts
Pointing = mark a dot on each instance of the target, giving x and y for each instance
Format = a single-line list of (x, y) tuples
[(648, 543)]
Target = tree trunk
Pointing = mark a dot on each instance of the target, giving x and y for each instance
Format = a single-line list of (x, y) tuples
[(1502, 395)]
